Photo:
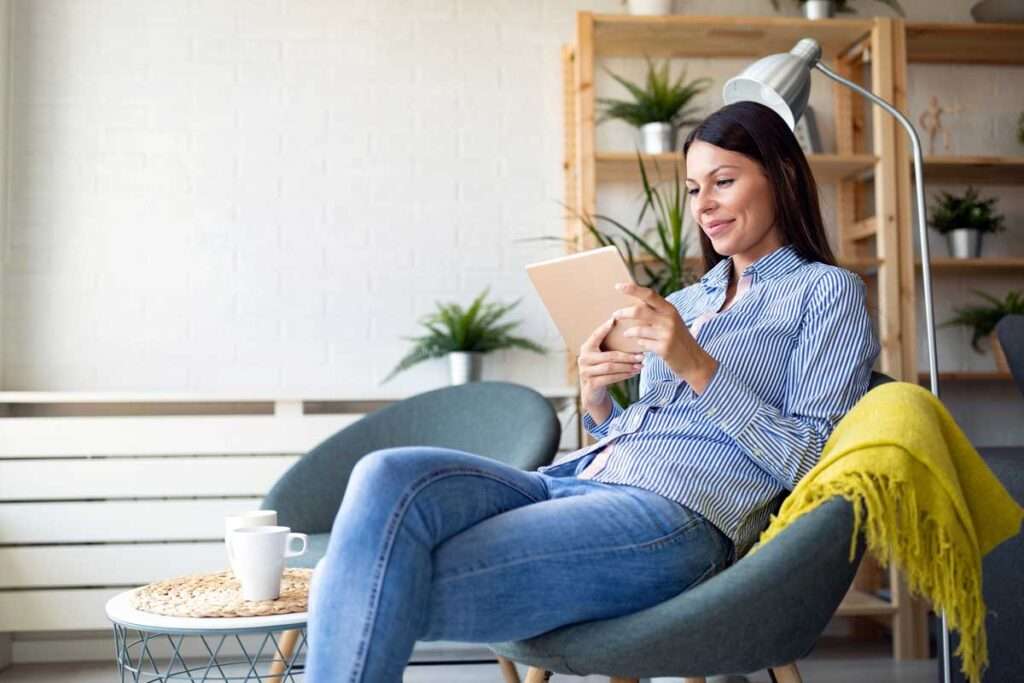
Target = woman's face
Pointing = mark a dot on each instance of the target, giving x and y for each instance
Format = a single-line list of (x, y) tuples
[(731, 200)]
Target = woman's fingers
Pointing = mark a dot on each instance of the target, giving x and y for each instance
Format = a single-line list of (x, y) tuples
[(646, 295), (596, 358), (609, 368), (645, 332), (605, 380), (593, 342)]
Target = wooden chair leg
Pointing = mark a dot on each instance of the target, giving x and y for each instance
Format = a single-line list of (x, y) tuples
[(785, 674), (535, 675), (285, 646), (508, 670)]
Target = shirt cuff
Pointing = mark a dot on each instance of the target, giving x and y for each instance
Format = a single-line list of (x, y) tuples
[(601, 430), (728, 403)]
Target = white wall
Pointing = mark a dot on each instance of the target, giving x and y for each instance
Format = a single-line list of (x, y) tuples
[(5, 67), (267, 194)]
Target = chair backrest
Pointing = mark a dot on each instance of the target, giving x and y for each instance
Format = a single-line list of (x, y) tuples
[(507, 422), (1010, 331), (877, 378)]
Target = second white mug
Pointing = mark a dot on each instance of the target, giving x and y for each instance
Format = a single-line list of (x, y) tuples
[(247, 519)]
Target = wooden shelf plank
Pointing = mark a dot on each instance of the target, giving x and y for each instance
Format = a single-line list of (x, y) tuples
[(944, 43), (826, 167), (859, 603), (977, 266), (742, 37), (991, 170), (990, 376)]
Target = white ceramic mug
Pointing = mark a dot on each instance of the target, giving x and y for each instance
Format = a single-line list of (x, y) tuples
[(247, 519), (257, 554)]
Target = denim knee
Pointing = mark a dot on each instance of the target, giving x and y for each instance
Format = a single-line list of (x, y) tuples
[(381, 469)]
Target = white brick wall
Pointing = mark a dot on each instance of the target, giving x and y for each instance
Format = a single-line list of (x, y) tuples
[(5, 12), (267, 194)]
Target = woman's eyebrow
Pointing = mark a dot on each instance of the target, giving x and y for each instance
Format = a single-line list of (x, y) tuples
[(715, 170)]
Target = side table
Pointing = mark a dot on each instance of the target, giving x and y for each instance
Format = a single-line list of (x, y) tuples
[(161, 649)]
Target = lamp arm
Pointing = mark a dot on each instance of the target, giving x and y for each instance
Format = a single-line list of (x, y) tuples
[(926, 274)]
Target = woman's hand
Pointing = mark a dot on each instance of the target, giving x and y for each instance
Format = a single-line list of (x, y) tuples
[(598, 369), (659, 329)]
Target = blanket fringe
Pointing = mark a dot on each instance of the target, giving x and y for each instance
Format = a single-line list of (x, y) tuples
[(896, 531)]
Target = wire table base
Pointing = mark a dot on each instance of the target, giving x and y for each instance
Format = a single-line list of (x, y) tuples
[(200, 657)]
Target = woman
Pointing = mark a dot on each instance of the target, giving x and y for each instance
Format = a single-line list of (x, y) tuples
[(734, 408)]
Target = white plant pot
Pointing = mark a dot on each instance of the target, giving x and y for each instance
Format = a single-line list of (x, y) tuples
[(964, 243), (650, 7), (819, 9), (657, 138), (464, 366), (1004, 11)]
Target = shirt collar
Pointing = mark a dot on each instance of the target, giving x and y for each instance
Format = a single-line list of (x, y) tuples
[(770, 266)]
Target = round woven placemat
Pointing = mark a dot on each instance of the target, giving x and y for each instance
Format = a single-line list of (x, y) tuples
[(219, 595)]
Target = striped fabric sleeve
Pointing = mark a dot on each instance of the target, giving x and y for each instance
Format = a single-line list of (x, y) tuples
[(828, 371), (601, 430)]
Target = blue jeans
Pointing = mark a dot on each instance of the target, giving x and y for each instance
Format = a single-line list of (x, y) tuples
[(437, 544)]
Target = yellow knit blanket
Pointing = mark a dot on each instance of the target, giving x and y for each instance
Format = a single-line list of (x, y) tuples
[(924, 498)]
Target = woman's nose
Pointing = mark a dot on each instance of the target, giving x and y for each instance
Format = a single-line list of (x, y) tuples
[(703, 203)]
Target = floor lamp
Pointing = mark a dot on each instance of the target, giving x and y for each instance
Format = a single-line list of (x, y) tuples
[(783, 83)]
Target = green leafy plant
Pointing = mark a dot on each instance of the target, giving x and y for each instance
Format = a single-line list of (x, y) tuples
[(983, 319), (843, 7), (656, 255), (659, 100), (969, 211), (478, 328)]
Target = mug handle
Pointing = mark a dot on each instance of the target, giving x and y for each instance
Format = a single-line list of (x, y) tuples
[(288, 545)]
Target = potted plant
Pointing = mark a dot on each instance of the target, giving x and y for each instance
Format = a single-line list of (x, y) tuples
[(464, 336), (649, 7), (658, 108), (665, 250), (964, 221), (825, 9), (983, 320)]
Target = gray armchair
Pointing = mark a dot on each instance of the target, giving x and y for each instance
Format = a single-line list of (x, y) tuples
[(1000, 570), (508, 422), (765, 611), (1010, 332)]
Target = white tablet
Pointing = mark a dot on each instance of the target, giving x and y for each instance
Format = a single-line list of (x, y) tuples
[(579, 292)]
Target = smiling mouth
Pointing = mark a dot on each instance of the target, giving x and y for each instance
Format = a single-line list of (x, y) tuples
[(717, 227)]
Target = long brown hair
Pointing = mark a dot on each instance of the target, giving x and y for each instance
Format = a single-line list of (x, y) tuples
[(759, 133)]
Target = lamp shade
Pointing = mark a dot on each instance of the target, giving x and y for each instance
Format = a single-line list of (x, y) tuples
[(781, 82)]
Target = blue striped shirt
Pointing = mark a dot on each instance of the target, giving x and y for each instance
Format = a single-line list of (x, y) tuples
[(794, 355)]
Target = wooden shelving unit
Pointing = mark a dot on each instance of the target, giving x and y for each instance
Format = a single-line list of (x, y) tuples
[(828, 168), (924, 378), (952, 43), (942, 43), (996, 267), (979, 170), (865, 244), (693, 36)]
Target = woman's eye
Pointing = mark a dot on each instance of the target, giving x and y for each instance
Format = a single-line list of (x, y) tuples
[(691, 191), (724, 182)]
